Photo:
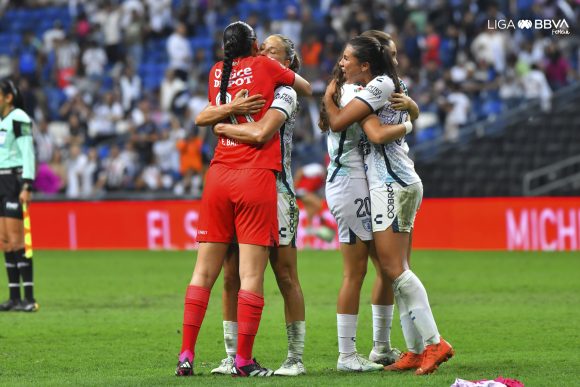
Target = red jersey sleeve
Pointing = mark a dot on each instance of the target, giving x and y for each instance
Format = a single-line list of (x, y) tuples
[(281, 75)]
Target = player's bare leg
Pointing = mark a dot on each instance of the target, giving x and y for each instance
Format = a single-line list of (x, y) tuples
[(393, 251)]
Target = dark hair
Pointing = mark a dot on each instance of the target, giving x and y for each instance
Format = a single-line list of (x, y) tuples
[(290, 52), (238, 40), (383, 37), (8, 87), (338, 76), (368, 49)]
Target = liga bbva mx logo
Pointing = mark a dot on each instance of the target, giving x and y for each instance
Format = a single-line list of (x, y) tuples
[(525, 24)]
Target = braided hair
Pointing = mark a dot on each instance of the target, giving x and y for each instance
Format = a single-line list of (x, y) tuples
[(238, 40)]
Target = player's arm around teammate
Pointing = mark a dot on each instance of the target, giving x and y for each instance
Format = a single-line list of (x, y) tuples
[(239, 201), (280, 117), (349, 201), (396, 193), (17, 172)]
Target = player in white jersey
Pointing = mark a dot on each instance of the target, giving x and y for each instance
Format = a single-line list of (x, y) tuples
[(280, 116), (396, 193), (348, 200)]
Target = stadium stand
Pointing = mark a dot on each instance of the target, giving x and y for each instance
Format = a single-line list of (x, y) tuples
[(467, 78)]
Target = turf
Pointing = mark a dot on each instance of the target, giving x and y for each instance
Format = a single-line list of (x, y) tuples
[(113, 318)]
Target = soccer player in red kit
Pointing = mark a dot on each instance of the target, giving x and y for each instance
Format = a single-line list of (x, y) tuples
[(239, 199)]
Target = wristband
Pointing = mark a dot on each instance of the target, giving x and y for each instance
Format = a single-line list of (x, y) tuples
[(408, 127)]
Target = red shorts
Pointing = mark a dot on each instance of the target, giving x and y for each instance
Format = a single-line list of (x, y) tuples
[(239, 203)]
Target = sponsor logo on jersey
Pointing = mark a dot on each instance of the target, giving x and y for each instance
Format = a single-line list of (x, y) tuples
[(374, 91), (11, 205), (390, 201), (239, 77)]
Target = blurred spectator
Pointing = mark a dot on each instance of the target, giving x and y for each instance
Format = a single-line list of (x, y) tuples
[(290, 26), (67, 56), (57, 167), (44, 141), (27, 54), (94, 60), (159, 16), (179, 52), (170, 87), (53, 34), (130, 85), (143, 131), (431, 45), (82, 28), (133, 34), (103, 121), (110, 21), (115, 173), (491, 46), (80, 173), (536, 87), (556, 68), (190, 153), (457, 107)]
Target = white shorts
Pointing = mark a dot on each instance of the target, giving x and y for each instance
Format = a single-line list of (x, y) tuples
[(395, 205), (287, 219), (349, 202)]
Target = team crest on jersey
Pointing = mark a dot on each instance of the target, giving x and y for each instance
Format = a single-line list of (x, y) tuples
[(367, 224)]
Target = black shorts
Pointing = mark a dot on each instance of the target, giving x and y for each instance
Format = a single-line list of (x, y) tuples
[(10, 188)]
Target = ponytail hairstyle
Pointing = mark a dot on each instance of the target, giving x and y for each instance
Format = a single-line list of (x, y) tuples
[(238, 40), (8, 87), (291, 53), (369, 49), (338, 76)]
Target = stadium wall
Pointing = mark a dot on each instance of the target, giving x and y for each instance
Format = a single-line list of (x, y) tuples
[(546, 224)]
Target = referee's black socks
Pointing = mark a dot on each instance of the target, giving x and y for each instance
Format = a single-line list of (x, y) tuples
[(13, 274), (25, 268)]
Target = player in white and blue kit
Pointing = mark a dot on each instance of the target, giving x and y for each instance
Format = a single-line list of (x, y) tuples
[(280, 116), (396, 192), (348, 200)]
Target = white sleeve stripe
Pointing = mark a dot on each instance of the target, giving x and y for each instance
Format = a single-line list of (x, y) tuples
[(282, 110)]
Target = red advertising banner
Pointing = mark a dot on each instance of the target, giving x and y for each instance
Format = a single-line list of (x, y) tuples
[(545, 224)]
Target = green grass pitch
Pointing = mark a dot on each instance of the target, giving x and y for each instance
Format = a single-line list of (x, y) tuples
[(113, 318)]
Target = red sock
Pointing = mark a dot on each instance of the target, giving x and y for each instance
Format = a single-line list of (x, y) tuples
[(250, 307), (196, 299)]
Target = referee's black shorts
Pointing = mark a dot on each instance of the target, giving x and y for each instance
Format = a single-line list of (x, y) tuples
[(10, 188)]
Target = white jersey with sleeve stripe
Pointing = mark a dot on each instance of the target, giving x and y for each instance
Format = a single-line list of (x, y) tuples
[(343, 147), (286, 101), (387, 163)]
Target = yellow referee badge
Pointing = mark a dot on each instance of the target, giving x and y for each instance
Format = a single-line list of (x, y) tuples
[(27, 232)]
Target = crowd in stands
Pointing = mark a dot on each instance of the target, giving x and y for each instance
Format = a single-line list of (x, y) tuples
[(114, 85)]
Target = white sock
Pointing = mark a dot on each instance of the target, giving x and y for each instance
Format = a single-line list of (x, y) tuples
[(414, 296), (413, 339), (231, 337), (346, 325), (296, 331), (382, 322)]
